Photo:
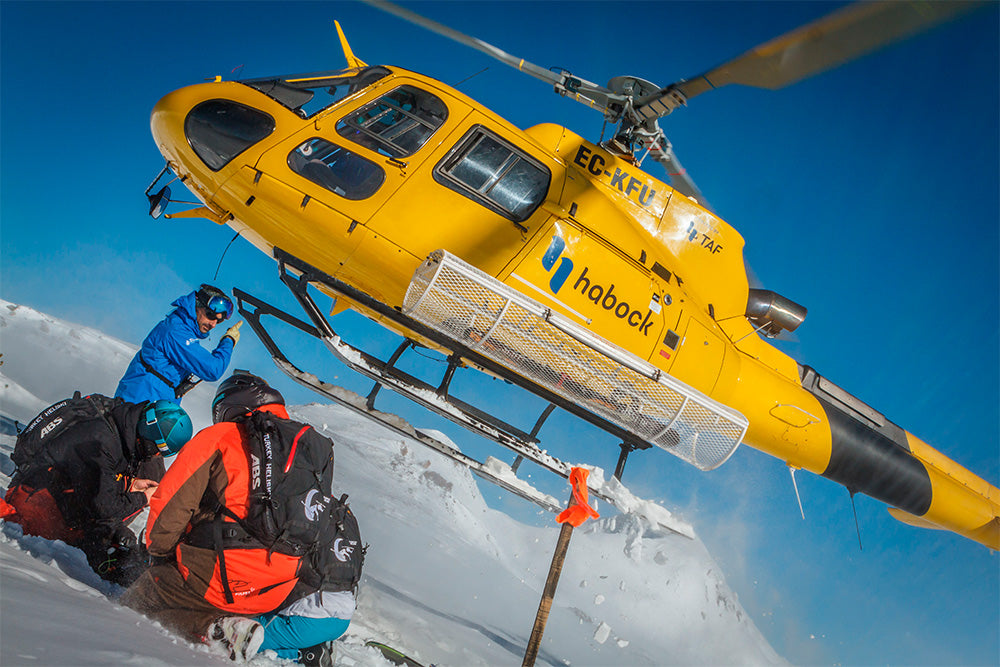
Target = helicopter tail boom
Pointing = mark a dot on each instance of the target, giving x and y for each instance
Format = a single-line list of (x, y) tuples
[(871, 455)]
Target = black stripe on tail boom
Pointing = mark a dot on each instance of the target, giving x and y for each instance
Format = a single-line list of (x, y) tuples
[(869, 453)]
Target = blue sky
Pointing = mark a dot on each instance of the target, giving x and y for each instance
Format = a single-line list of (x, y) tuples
[(868, 194)]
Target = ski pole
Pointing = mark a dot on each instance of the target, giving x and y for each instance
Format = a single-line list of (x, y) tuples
[(575, 514)]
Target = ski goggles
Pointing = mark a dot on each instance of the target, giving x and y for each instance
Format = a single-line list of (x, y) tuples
[(219, 307)]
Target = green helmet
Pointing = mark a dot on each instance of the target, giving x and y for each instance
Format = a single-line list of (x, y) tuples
[(166, 425)]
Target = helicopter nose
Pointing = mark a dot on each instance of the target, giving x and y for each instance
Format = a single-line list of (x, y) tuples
[(167, 122)]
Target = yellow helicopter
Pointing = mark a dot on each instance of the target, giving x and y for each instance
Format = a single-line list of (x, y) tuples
[(546, 260)]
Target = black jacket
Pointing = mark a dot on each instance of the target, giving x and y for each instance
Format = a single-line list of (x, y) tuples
[(88, 467)]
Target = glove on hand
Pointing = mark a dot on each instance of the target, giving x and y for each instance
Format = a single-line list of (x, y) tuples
[(234, 332)]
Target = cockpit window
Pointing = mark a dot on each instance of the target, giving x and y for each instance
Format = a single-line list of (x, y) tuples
[(487, 169), (219, 130), (397, 124), (337, 169), (308, 94)]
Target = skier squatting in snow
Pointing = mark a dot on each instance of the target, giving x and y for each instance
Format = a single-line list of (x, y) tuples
[(213, 579), (83, 474)]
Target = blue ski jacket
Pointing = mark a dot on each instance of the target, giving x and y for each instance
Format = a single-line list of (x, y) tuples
[(173, 350)]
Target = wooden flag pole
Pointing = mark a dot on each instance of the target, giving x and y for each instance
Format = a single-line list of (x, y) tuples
[(545, 604), (575, 514)]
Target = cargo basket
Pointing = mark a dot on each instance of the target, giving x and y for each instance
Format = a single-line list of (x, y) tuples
[(504, 325)]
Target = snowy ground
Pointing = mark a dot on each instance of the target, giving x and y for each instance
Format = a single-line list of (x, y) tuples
[(448, 580)]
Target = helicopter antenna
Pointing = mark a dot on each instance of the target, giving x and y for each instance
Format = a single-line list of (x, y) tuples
[(857, 525), (352, 60), (216, 276), (471, 76), (795, 485)]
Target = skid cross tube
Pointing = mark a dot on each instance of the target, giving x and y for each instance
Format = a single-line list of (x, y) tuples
[(622, 458), (406, 344)]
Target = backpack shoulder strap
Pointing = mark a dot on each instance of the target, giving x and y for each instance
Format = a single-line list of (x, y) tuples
[(158, 374), (103, 405)]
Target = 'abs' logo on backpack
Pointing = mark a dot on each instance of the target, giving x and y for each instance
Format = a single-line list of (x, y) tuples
[(48, 427), (254, 472)]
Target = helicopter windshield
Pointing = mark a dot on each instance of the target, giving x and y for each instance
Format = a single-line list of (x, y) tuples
[(308, 94)]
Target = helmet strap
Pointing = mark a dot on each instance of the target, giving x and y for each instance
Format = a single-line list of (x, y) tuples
[(159, 446)]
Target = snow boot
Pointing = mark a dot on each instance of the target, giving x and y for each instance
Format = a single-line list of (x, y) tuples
[(241, 637), (320, 655)]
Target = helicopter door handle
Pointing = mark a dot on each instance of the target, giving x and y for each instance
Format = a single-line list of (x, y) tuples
[(396, 162)]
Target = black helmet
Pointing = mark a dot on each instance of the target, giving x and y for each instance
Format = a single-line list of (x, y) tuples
[(242, 393)]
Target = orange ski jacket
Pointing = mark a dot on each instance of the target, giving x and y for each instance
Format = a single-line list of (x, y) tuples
[(214, 466)]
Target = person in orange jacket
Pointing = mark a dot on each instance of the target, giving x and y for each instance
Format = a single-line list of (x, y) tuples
[(186, 587)]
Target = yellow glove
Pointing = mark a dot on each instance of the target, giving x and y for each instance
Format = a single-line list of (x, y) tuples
[(234, 332)]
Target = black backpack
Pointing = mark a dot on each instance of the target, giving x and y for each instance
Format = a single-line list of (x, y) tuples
[(288, 509), (291, 478), (337, 562), (37, 437)]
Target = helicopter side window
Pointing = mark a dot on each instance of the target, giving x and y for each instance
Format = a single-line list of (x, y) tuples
[(307, 95), (219, 130), (397, 124), (494, 173), (337, 169)]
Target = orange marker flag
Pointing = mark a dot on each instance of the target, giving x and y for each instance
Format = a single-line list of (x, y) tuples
[(578, 510)]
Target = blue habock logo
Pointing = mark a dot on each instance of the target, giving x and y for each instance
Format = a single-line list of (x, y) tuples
[(605, 297), (565, 263)]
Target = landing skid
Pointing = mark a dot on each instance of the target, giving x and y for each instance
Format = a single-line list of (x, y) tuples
[(385, 373)]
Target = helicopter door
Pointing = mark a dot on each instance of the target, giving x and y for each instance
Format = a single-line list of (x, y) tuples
[(699, 357), (353, 159), (591, 282), (478, 197)]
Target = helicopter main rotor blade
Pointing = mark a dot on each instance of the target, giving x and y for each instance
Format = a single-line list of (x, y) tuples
[(587, 92), (828, 42)]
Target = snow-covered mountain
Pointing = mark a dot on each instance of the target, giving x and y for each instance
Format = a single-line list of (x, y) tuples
[(448, 580)]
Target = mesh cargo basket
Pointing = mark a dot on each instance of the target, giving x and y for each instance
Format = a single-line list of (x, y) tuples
[(459, 300)]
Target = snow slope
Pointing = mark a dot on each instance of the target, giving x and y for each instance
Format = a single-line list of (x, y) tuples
[(447, 579)]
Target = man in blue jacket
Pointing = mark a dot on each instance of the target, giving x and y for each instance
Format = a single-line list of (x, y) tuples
[(171, 359)]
